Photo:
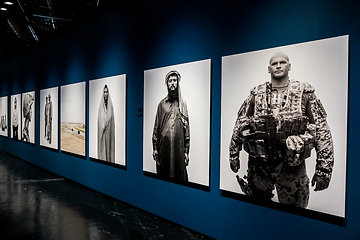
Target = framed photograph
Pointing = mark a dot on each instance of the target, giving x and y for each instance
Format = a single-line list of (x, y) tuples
[(73, 124), (16, 117), (28, 117), (4, 116), (49, 118), (284, 124), (107, 119), (177, 122)]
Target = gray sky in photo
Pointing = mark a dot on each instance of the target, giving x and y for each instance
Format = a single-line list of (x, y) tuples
[(73, 103)]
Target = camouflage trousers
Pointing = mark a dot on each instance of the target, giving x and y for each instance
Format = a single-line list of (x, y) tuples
[(291, 182)]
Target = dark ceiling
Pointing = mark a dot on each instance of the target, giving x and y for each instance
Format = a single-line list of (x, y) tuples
[(24, 23)]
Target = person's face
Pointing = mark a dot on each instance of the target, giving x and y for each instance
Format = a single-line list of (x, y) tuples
[(172, 83), (279, 67), (106, 94)]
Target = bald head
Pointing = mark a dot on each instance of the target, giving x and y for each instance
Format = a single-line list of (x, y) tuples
[(279, 55), (279, 67)]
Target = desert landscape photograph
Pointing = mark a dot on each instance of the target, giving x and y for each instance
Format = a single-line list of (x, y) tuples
[(73, 127), (73, 137)]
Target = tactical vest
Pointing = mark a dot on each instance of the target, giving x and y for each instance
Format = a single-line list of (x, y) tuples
[(277, 115), (288, 101)]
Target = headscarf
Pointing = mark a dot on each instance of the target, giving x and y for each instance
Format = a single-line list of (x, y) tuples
[(182, 103)]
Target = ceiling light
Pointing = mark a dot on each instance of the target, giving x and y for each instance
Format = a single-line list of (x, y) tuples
[(33, 33), (8, 3), (3, 9)]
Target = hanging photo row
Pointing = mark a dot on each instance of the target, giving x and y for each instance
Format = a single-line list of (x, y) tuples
[(67, 105), (283, 135)]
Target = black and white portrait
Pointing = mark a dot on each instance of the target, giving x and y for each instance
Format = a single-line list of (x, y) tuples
[(171, 134), (107, 119), (48, 115), (4, 116), (73, 126), (16, 117), (284, 124), (28, 117), (177, 122), (49, 120)]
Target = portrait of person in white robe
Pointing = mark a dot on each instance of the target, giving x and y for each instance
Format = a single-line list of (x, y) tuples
[(106, 128), (48, 118)]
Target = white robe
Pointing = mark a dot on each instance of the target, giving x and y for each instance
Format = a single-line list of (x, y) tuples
[(106, 131)]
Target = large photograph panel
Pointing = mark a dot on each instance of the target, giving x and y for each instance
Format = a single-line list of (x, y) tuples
[(4, 116), (28, 117), (279, 136), (16, 117), (177, 122), (49, 118), (73, 118), (107, 119)]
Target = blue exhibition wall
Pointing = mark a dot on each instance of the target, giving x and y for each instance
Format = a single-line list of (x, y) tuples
[(140, 35)]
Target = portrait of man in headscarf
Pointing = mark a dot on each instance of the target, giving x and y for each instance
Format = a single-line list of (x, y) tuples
[(171, 134), (106, 128)]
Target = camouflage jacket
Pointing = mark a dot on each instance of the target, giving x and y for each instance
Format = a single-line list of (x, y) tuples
[(298, 99)]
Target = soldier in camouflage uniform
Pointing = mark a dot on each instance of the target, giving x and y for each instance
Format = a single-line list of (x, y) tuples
[(278, 125)]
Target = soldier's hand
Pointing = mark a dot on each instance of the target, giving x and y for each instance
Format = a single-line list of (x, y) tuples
[(235, 164), (295, 143), (186, 159), (319, 182)]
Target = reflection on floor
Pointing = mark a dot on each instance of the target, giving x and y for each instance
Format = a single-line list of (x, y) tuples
[(35, 204)]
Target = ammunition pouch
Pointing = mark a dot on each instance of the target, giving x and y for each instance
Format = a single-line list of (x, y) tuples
[(265, 138)]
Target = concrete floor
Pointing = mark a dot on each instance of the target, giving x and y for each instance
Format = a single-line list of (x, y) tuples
[(36, 204)]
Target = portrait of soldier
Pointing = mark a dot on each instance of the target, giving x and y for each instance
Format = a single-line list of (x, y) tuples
[(15, 121), (48, 118), (27, 111), (278, 125), (106, 128), (171, 134)]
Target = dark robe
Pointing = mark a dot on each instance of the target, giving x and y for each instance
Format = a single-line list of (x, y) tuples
[(171, 138)]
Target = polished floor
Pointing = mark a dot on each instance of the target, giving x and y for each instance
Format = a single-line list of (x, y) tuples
[(36, 204)]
